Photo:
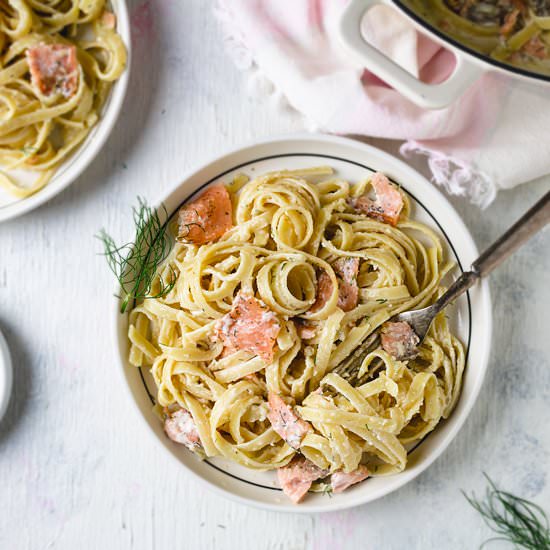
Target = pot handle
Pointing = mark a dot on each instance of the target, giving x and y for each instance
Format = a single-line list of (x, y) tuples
[(430, 96)]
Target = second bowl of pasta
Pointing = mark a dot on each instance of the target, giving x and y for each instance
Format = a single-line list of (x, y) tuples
[(65, 69)]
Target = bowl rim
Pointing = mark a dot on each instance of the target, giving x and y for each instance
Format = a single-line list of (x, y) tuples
[(6, 375), (395, 482), (78, 162)]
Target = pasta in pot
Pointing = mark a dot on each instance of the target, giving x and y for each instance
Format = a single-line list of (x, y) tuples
[(263, 278), (58, 61), (515, 32)]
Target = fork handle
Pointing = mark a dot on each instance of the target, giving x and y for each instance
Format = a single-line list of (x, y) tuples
[(529, 224)]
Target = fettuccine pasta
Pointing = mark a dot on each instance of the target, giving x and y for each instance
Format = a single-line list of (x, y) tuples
[(277, 280), (58, 60)]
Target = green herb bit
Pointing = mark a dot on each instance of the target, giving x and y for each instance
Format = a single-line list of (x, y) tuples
[(327, 490), (28, 151), (514, 519), (381, 300), (135, 264)]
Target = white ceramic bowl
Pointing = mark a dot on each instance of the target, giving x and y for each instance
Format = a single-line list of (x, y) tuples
[(11, 207), (6, 375), (471, 317)]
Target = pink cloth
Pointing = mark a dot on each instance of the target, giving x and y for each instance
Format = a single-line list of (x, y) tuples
[(291, 48)]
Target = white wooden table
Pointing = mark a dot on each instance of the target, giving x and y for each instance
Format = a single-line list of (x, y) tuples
[(77, 470)]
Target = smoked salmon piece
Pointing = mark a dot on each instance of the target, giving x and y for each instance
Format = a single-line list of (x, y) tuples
[(108, 19), (324, 291), (181, 428), (305, 330), (250, 326), (346, 270), (53, 68), (207, 218), (388, 202), (340, 481), (297, 476), (286, 422), (510, 22), (535, 47), (399, 340)]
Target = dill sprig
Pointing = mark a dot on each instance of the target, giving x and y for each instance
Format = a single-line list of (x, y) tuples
[(136, 263), (513, 518), (327, 490)]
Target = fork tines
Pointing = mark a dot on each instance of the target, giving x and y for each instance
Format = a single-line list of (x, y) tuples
[(349, 367)]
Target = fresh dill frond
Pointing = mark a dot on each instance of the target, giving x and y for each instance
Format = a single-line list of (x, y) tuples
[(28, 151), (327, 490), (135, 264), (513, 518)]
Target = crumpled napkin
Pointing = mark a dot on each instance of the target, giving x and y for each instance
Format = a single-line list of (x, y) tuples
[(495, 136)]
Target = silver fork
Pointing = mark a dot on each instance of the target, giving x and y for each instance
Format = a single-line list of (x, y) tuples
[(421, 319), (529, 224), (349, 367)]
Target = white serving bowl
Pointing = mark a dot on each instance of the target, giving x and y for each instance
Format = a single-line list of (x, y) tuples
[(6, 375), (470, 318), (75, 164)]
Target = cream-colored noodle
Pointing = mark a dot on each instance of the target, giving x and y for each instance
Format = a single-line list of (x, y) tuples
[(38, 133), (288, 227)]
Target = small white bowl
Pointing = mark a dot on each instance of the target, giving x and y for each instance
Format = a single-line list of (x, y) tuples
[(6, 375), (76, 163), (471, 317)]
